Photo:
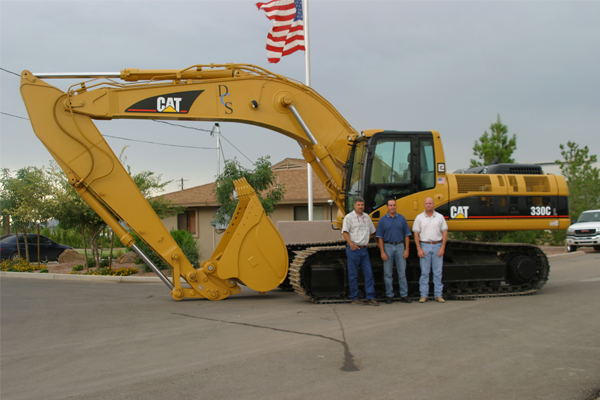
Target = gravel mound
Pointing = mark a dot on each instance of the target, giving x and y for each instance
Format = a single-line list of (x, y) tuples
[(71, 256), (127, 258)]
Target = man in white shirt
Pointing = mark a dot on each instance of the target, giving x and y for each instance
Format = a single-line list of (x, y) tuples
[(357, 229), (431, 233)]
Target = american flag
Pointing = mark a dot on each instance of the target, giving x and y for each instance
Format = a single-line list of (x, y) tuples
[(287, 34)]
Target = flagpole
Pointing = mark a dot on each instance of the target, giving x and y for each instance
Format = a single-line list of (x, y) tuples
[(309, 170)]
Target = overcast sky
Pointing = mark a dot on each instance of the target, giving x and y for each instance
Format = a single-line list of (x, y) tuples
[(450, 66)]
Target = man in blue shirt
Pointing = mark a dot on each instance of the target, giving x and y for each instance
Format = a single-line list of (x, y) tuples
[(392, 238)]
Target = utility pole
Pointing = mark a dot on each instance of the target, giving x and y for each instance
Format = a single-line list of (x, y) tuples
[(181, 185), (217, 131)]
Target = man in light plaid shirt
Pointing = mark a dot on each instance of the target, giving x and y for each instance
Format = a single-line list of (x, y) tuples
[(357, 229)]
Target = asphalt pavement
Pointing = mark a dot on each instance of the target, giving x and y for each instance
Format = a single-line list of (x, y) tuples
[(98, 339)]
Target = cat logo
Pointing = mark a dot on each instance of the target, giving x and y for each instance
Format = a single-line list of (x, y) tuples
[(459, 212), (168, 104), (176, 103)]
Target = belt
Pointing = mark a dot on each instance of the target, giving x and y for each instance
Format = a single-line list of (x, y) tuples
[(439, 241), (360, 247), (393, 242)]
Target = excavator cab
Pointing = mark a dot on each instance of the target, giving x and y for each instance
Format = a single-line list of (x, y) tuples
[(390, 165)]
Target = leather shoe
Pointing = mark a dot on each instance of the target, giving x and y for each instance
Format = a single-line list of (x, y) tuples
[(422, 299), (440, 299), (357, 302), (405, 300), (372, 302), (389, 300)]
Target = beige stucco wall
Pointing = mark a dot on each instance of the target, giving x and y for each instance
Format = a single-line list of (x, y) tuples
[(207, 238), (283, 212), (170, 222)]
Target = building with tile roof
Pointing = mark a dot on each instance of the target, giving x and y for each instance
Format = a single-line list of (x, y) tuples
[(201, 204)]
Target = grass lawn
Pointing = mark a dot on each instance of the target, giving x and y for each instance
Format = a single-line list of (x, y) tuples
[(106, 252)]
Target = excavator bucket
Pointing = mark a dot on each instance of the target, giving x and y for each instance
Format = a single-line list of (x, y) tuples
[(251, 250)]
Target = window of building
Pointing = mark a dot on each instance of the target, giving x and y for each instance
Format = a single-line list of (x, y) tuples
[(301, 213), (187, 222)]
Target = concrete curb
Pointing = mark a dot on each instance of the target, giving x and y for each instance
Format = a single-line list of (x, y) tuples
[(156, 279), (565, 255), (74, 277)]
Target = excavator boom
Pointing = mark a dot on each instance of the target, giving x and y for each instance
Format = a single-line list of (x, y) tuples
[(252, 252)]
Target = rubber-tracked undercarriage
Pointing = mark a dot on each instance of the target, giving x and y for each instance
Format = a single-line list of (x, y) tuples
[(471, 270)]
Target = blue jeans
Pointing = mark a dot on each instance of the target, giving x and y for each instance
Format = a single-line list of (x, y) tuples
[(431, 262), (395, 253), (359, 258)]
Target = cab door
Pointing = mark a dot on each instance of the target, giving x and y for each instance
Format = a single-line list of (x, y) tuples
[(431, 177), (407, 167)]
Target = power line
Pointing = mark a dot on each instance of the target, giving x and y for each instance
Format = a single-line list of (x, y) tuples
[(182, 126), (236, 149), (10, 72), (161, 144), (16, 116), (134, 140), (223, 153), (162, 122), (205, 130)]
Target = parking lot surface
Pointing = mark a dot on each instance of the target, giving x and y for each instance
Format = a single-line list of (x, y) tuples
[(64, 339)]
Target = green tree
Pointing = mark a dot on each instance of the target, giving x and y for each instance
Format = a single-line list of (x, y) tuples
[(7, 201), (149, 183), (262, 180), (495, 144), (583, 179), (26, 198), (491, 146), (74, 213)]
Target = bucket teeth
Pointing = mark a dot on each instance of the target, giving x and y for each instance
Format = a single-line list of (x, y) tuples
[(244, 190)]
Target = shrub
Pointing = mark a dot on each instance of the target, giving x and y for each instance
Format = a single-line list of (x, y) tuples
[(188, 245), (78, 267), (117, 272), (528, 237), (555, 237), (91, 262), (113, 272), (69, 237), (104, 263), (184, 240), (19, 265)]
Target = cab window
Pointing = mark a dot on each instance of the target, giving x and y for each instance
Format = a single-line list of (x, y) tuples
[(426, 164), (354, 180)]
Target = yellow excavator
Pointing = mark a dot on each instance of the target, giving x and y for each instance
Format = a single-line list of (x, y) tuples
[(374, 164)]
